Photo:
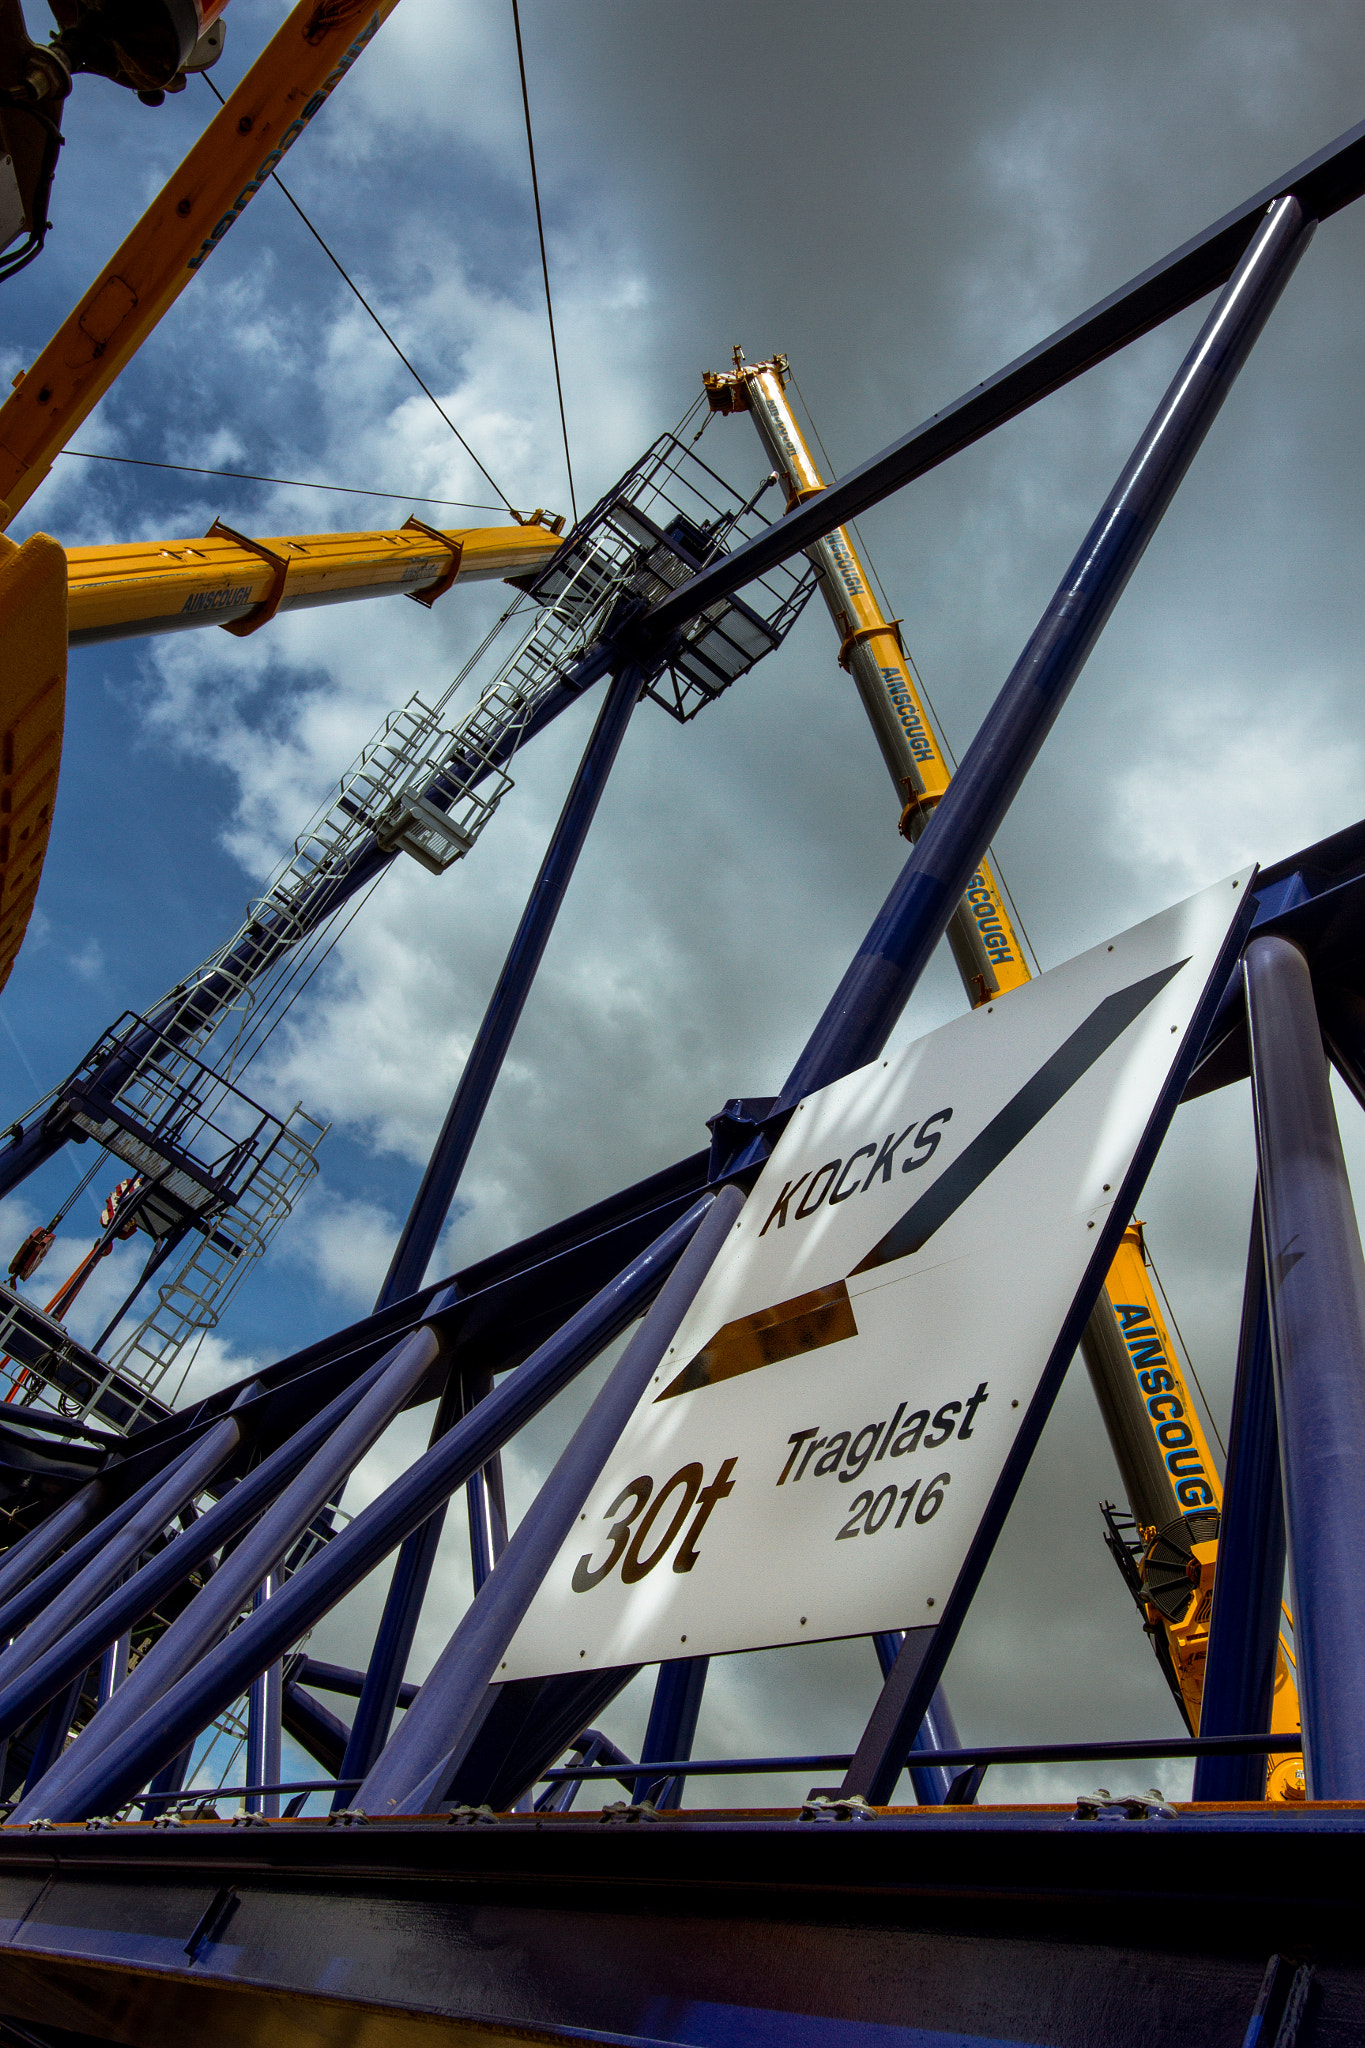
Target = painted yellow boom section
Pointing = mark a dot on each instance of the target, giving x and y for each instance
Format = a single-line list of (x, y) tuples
[(984, 941), (227, 166), (32, 714), (1148, 1410), (140, 587)]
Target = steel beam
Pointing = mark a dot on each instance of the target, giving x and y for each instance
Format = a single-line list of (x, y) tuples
[(189, 1475), (264, 1725), (1316, 1280), (105, 1627), (426, 1219), (216, 1606), (671, 1728), (1244, 1633), (398, 1623), (219, 1677), (26, 1558), (878, 984), (869, 1000)]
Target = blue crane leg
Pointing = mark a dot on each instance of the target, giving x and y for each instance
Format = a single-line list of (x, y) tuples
[(869, 1000), (423, 1754), (672, 1725), (879, 982), (217, 1605), (105, 1627), (1316, 1281), (1244, 1634), (174, 1490), (222, 1675), (432, 1205)]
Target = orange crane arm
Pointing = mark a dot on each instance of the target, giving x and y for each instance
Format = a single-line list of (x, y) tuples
[(139, 587), (244, 142)]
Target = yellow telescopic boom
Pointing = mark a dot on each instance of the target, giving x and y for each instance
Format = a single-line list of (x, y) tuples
[(984, 942), (226, 579), (1153, 1425)]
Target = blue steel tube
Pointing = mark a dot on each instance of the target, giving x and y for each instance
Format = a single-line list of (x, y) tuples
[(938, 1729), (398, 1623), (53, 1733), (421, 1756), (916, 914), (407, 1590), (672, 1725), (1244, 1633), (106, 1626), (24, 1559), (427, 1217), (264, 1725), (1316, 1283), (216, 1606), (115, 1774), (426, 1220), (33, 1597), (189, 1475)]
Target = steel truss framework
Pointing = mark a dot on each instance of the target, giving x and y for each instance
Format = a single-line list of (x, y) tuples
[(425, 1902)]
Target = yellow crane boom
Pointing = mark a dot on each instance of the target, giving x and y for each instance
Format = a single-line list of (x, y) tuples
[(226, 579), (1153, 1424)]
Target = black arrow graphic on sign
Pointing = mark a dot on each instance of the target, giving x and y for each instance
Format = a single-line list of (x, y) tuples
[(808, 1322)]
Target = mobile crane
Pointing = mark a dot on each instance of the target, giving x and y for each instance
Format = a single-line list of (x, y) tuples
[(1167, 1549)]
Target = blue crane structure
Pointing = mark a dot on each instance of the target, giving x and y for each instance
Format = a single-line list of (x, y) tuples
[(444, 1893)]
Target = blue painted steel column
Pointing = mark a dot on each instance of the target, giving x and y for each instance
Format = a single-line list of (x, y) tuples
[(53, 1733), (104, 1627), (264, 1725), (672, 1725), (426, 1220), (422, 1755), (1316, 1279), (938, 1729), (874, 991), (103, 1779), (1244, 1635), (916, 914), (189, 1475), (216, 1606), (428, 1214), (26, 1558), (37, 1596)]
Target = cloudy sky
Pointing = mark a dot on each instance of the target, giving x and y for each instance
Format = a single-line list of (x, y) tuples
[(901, 197)]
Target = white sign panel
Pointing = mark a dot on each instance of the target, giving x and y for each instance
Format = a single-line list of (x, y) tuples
[(818, 1448)]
